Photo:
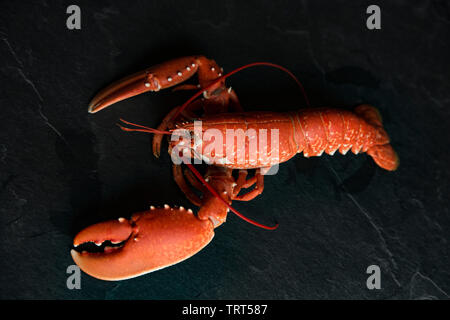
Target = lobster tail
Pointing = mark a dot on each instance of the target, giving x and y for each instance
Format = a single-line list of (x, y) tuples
[(383, 155)]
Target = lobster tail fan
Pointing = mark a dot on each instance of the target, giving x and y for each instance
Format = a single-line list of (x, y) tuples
[(383, 155)]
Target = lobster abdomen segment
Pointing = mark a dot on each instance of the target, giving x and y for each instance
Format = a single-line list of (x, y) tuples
[(328, 130)]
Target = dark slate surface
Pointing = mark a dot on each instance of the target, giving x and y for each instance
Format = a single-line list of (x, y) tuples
[(63, 169)]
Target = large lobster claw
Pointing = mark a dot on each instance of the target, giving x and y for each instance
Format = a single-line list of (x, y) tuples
[(149, 241), (161, 76)]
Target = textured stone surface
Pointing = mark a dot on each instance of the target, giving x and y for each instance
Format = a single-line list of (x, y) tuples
[(62, 169)]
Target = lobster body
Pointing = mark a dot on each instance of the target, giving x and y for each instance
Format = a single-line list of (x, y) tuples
[(311, 131)]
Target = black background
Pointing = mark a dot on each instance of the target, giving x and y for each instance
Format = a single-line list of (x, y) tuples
[(62, 169)]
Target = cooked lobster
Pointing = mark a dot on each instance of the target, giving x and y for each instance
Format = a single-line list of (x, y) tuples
[(161, 237)]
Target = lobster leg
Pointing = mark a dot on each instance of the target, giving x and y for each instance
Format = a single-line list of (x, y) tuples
[(249, 182), (181, 182), (257, 190), (242, 182), (162, 76), (193, 180)]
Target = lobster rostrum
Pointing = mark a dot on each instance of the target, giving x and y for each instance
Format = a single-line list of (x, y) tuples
[(160, 237)]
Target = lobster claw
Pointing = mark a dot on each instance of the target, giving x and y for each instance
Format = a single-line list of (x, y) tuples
[(149, 241), (127, 87), (161, 76)]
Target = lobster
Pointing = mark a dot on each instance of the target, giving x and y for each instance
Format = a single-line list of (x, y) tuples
[(160, 237)]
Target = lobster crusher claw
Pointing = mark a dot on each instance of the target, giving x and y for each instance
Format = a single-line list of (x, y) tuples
[(149, 241)]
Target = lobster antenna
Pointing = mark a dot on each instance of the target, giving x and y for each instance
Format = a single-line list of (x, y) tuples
[(143, 128), (254, 64), (214, 192)]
